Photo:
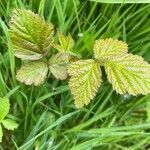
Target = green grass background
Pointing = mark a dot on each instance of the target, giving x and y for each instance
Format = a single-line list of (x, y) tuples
[(46, 115)]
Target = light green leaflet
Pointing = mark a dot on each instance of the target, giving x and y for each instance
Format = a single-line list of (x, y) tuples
[(4, 107), (7, 123), (66, 43), (128, 74), (30, 35), (85, 80), (105, 48), (33, 73)]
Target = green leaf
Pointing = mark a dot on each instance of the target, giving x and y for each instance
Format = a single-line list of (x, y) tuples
[(105, 48), (30, 35), (66, 43), (128, 74), (1, 133), (58, 65), (121, 1), (85, 80), (9, 124), (33, 73), (4, 107)]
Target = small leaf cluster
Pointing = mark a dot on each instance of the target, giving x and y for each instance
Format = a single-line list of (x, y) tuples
[(33, 39), (9, 124), (126, 72)]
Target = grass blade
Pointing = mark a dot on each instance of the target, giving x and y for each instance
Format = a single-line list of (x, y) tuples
[(121, 1)]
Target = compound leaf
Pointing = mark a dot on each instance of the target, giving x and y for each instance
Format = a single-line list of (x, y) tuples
[(128, 74), (4, 107), (58, 65), (85, 80), (66, 43), (32, 73), (30, 35), (9, 124), (105, 48)]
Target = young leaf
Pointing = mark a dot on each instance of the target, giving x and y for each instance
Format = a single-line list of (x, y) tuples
[(85, 80), (1, 133), (9, 124), (105, 48), (33, 73), (30, 35), (58, 65), (4, 107), (66, 43), (128, 74)]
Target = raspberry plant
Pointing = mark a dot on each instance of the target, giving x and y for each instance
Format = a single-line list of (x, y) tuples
[(33, 39)]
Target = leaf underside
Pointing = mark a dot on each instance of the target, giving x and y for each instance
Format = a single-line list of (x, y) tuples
[(32, 73), (128, 74), (30, 35), (58, 66), (85, 80), (4, 107)]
